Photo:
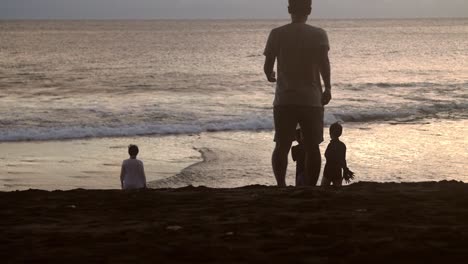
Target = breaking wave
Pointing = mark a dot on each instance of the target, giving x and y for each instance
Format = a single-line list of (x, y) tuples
[(245, 123)]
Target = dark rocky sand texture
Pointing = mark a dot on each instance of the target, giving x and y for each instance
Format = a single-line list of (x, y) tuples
[(361, 223)]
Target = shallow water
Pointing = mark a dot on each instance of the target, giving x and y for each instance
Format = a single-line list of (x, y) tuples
[(89, 164), (376, 152)]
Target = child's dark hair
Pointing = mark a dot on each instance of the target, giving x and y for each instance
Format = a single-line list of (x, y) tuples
[(133, 150), (336, 130)]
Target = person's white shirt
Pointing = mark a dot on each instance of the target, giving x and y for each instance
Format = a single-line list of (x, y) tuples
[(132, 174)]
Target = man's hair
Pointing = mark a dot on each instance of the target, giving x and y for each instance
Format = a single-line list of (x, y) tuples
[(336, 130), (133, 150), (300, 7)]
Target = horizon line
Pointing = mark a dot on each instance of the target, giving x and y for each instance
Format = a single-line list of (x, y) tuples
[(227, 19)]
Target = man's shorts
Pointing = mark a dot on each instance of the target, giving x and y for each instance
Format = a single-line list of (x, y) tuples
[(309, 118)]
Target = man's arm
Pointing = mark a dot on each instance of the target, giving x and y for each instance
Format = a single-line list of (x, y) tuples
[(271, 52), (325, 71), (268, 68)]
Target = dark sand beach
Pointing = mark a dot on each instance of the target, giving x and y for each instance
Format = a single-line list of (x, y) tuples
[(361, 223)]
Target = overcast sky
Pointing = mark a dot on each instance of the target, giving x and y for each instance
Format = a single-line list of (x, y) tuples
[(163, 9)]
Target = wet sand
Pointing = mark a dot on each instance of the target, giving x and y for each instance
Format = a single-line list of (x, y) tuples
[(361, 223), (92, 163)]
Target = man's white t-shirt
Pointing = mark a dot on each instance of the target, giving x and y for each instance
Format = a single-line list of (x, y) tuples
[(133, 174), (297, 47)]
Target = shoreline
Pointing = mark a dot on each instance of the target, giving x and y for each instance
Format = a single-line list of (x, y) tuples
[(89, 163), (171, 182), (239, 158), (361, 223)]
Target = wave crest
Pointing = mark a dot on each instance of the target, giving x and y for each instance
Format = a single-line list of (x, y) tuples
[(245, 123)]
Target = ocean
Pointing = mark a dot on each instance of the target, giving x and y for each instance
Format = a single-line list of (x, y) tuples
[(192, 95)]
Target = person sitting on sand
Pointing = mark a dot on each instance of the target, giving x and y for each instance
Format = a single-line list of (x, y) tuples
[(336, 160), (298, 155), (132, 175)]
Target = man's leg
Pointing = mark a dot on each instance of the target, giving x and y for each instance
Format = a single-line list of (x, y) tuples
[(313, 165), (285, 131), (311, 122), (279, 162)]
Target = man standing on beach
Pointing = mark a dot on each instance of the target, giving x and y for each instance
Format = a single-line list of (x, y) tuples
[(302, 54)]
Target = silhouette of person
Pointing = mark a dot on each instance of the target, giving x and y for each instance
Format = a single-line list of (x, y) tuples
[(298, 155), (301, 52), (132, 174), (336, 160)]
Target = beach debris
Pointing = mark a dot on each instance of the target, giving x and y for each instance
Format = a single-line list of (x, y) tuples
[(361, 210), (174, 228), (72, 206), (229, 233)]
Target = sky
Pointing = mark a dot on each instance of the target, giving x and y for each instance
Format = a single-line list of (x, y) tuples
[(225, 9)]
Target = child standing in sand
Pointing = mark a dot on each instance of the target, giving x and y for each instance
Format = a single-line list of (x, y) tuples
[(336, 169), (298, 155), (132, 175)]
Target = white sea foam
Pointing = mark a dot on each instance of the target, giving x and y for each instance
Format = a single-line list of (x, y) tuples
[(77, 132), (61, 133), (243, 123)]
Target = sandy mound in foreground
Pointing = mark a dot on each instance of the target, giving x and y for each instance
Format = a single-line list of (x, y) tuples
[(362, 223)]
